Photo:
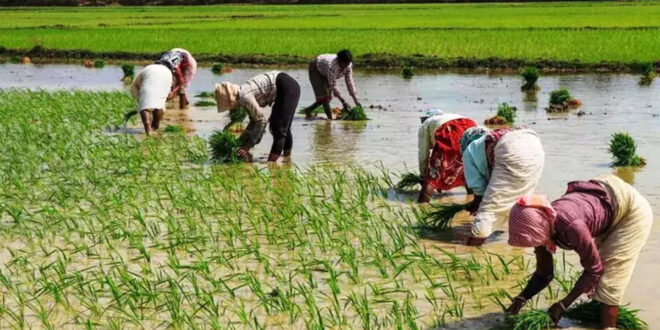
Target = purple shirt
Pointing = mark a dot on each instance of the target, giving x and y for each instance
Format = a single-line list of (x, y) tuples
[(583, 213)]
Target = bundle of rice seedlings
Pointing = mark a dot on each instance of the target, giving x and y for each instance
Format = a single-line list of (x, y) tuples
[(589, 312), (506, 115), (316, 111), (15, 60), (624, 151), (535, 319), (174, 129), (224, 147), (408, 181), (99, 64), (206, 95), (648, 74), (357, 113), (561, 100), (441, 215), (407, 72), (531, 75), (236, 118), (204, 103), (129, 70), (218, 68)]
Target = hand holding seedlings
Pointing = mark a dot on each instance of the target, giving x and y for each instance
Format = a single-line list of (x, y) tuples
[(556, 311)]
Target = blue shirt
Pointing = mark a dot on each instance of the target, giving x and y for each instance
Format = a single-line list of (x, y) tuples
[(475, 166)]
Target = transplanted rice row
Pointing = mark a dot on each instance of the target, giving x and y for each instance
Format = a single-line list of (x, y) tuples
[(119, 231)]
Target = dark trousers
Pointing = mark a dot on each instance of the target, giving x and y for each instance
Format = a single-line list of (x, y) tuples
[(284, 108)]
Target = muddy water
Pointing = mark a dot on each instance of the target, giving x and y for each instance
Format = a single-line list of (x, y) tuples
[(576, 146)]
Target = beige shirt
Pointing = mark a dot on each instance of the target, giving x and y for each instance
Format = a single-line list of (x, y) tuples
[(254, 95)]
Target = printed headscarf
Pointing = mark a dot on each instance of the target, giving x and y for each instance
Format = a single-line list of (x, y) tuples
[(431, 113), (226, 96), (531, 222), (472, 134)]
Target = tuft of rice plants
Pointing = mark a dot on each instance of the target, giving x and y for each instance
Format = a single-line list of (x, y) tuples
[(407, 72), (506, 115), (224, 147), (129, 71), (624, 151), (439, 217), (535, 319), (174, 129), (408, 181), (648, 74), (236, 118), (206, 95), (589, 312), (561, 100), (357, 113), (217, 68), (531, 76), (204, 103), (99, 63)]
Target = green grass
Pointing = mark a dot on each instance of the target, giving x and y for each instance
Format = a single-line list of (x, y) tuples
[(589, 312), (588, 32), (407, 181), (127, 231), (535, 319)]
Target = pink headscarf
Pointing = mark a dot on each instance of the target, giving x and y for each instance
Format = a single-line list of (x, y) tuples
[(531, 222)]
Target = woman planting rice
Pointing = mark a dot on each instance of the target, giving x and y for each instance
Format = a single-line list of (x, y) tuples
[(499, 166), (184, 67), (605, 220), (151, 88), (442, 133), (272, 88), (323, 73)]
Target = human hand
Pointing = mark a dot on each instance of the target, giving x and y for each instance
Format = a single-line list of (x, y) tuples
[(475, 241), (556, 311), (346, 105), (358, 104), (244, 153), (183, 101), (516, 306)]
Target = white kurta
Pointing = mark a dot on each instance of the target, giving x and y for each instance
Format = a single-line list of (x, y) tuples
[(151, 87)]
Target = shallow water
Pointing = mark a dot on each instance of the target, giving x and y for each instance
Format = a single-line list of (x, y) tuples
[(576, 147)]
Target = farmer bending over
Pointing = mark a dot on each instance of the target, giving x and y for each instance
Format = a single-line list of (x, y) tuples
[(323, 74), (605, 220), (151, 88), (499, 167), (441, 132), (276, 89), (184, 67)]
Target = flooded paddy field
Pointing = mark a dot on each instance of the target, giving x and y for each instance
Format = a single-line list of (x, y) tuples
[(576, 148)]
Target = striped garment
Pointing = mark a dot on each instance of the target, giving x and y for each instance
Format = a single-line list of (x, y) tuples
[(329, 67)]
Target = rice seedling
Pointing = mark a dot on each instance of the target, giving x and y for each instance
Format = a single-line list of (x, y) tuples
[(648, 74), (408, 181), (535, 319), (15, 60), (589, 312), (206, 95), (99, 63), (440, 216), (531, 76), (128, 70), (561, 100), (624, 151), (506, 115), (224, 147), (205, 103), (174, 129), (236, 118), (357, 114), (407, 72), (217, 68)]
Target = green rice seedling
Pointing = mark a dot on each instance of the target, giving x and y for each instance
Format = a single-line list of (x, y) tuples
[(535, 319), (441, 215), (218, 68), (224, 147), (561, 100), (624, 151), (205, 103), (99, 64), (408, 180), (531, 76), (648, 74), (236, 117), (128, 70), (174, 129), (506, 115), (407, 72), (357, 113), (317, 111), (15, 60), (206, 95), (589, 312)]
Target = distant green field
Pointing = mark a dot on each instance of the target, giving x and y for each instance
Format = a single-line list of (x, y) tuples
[(587, 32)]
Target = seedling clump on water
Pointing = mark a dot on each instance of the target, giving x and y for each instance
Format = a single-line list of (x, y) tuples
[(99, 64), (408, 180), (624, 151), (204, 103), (648, 74), (221, 68), (129, 72), (531, 76), (205, 95), (407, 72), (561, 101), (174, 129), (357, 113), (506, 115)]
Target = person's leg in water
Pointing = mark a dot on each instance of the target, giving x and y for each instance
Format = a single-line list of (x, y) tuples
[(425, 193), (158, 116), (309, 109), (608, 316), (288, 144), (146, 121), (328, 110), (286, 101)]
